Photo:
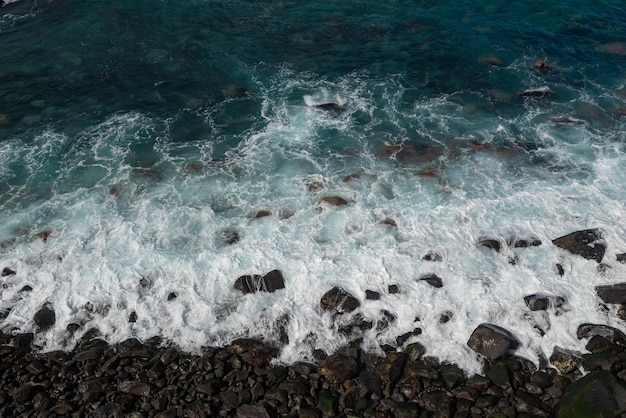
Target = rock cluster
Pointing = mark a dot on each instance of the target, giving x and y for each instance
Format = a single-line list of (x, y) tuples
[(153, 379)]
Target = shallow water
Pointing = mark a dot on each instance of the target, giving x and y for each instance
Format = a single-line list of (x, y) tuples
[(137, 133)]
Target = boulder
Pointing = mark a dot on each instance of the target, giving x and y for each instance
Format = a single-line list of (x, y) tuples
[(45, 317), (614, 293), (614, 335), (565, 360), (432, 279), (491, 243), (595, 395), (587, 244), (524, 242), (372, 295), (271, 282), (337, 300), (338, 368), (492, 341), (252, 411), (540, 302), (253, 351), (333, 200), (8, 272), (229, 236), (621, 257)]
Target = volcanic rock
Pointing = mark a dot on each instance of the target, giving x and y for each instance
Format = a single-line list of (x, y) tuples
[(587, 244), (596, 395), (614, 335), (45, 317), (271, 282), (7, 272), (540, 302), (621, 258), (372, 295), (565, 360), (337, 368), (492, 341), (432, 279), (337, 300), (614, 293)]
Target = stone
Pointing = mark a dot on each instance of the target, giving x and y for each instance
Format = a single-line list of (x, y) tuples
[(565, 361), (263, 213), (541, 302), (271, 282), (253, 351), (329, 106), (586, 243), (415, 351), (172, 296), (432, 256), (134, 388), (45, 317), (337, 300), (614, 293), (524, 242), (252, 411), (393, 289), (333, 201), (44, 235), (432, 279), (7, 272), (621, 258), (338, 368), (229, 236), (372, 295), (132, 318), (614, 335), (500, 375), (490, 243), (537, 93), (492, 341), (595, 395), (327, 403), (392, 367), (388, 222)]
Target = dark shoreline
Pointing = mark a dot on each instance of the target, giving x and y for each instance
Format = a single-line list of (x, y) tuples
[(153, 379)]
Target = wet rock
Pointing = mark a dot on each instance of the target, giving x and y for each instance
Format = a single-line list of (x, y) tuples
[(134, 388), (337, 300), (333, 200), (541, 302), (431, 256), (229, 236), (490, 243), (253, 351), (338, 368), (614, 335), (415, 351), (329, 106), (45, 317), (559, 268), (524, 242), (132, 318), (261, 214), (586, 243), (621, 258), (44, 235), (26, 288), (327, 403), (392, 367), (393, 289), (271, 282), (565, 361), (315, 186), (432, 279), (388, 222), (597, 394), (540, 92), (252, 411), (446, 317), (492, 341), (172, 296), (614, 293), (8, 272), (372, 295)]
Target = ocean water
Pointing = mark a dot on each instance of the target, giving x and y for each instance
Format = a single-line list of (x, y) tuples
[(133, 134)]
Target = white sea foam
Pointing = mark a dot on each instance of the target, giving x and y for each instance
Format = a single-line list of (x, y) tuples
[(162, 223)]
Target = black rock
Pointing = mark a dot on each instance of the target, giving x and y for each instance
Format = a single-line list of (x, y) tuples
[(45, 317), (7, 272), (229, 236), (372, 295), (329, 106), (587, 244), (337, 368), (26, 288), (492, 341), (132, 318), (432, 279), (524, 242), (596, 395), (614, 293), (621, 258), (614, 335), (491, 243), (565, 360), (393, 289), (432, 257), (172, 296), (560, 269), (271, 282), (540, 302), (338, 300)]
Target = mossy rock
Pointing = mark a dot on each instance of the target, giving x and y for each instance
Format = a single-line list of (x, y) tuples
[(596, 395)]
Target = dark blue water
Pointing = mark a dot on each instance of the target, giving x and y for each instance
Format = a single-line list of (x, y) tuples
[(137, 131)]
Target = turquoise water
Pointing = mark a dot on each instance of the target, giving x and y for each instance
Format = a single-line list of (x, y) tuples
[(136, 133)]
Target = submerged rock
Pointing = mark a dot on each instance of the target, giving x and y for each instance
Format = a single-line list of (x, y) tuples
[(271, 282), (524, 242), (538, 92), (45, 317), (333, 200), (491, 243), (432, 279), (229, 236), (596, 395), (334, 106), (492, 341), (586, 243), (337, 300), (613, 293), (540, 302)]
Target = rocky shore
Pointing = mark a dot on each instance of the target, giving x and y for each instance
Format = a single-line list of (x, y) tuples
[(152, 379)]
